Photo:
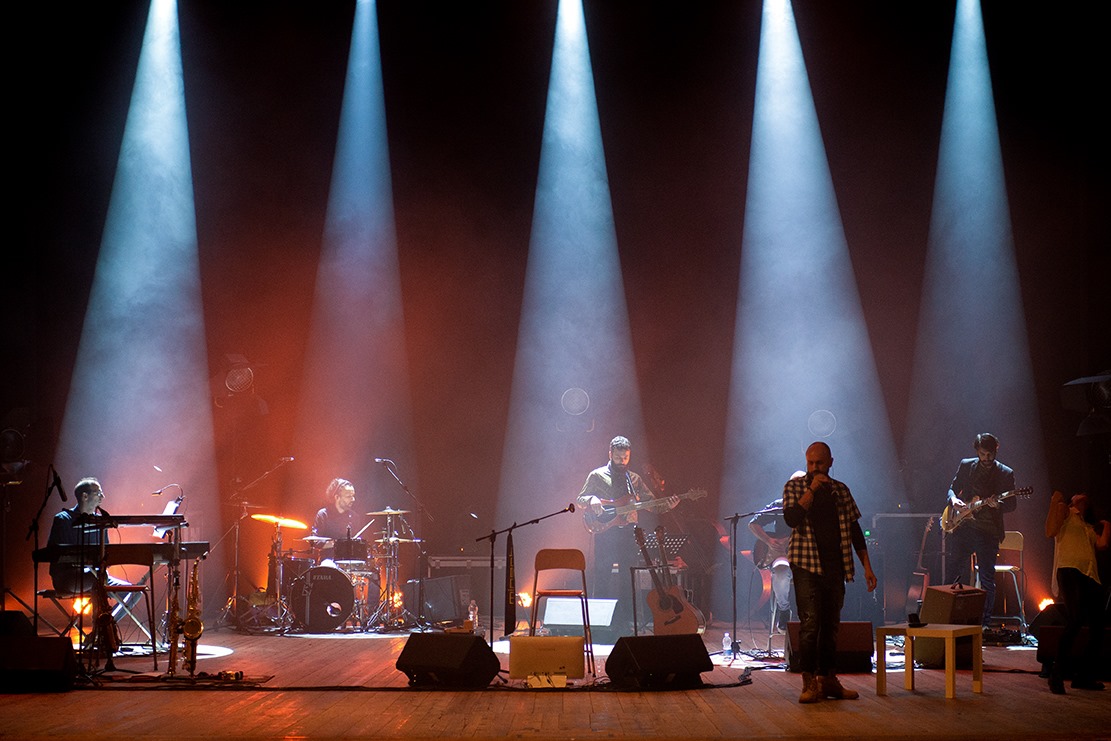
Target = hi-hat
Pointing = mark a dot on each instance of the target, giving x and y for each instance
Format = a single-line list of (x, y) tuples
[(398, 540), (281, 521), (388, 511), (318, 540)]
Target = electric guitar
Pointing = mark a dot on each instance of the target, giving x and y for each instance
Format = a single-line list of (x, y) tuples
[(615, 511), (671, 613), (953, 517)]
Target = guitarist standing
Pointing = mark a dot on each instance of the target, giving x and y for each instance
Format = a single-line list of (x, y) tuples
[(981, 478), (614, 548)]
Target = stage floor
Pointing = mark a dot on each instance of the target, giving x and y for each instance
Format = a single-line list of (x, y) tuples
[(341, 686)]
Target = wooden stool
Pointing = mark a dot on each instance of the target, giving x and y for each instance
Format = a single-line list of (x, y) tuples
[(934, 630)]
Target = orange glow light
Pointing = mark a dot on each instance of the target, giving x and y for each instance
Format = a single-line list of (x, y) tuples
[(82, 605), (524, 599), (1045, 603)]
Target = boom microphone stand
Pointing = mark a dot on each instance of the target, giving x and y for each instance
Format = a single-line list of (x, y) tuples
[(510, 606)]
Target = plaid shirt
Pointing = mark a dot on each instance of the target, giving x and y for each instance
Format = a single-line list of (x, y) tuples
[(803, 549)]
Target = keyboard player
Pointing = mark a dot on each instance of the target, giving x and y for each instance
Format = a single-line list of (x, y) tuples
[(72, 578)]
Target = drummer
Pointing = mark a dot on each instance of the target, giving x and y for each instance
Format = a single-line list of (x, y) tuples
[(336, 520)]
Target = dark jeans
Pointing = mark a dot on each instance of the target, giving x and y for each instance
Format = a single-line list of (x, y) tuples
[(818, 600), (969, 540), (1082, 603)]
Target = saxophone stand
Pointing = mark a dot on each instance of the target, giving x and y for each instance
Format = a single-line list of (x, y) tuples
[(510, 577)]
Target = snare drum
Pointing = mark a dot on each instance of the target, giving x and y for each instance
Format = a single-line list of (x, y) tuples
[(322, 599), (350, 554)]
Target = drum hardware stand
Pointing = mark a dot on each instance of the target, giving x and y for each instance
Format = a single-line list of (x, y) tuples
[(233, 607), (284, 617), (510, 577), (419, 619)]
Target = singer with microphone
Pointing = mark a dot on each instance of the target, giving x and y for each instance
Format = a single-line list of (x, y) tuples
[(825, 519)]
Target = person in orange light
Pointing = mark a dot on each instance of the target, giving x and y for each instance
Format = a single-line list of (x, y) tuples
[(1076, 539)]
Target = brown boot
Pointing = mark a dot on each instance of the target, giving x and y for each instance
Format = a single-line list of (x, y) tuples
[(830, 686), (810, 690)]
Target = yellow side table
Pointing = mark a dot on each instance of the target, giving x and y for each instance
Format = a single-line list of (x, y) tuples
[(950, 633)]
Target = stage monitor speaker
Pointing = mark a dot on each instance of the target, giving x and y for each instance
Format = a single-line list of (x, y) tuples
[(36, 664), (443, 598), (652, 662), (15, 623), (952, 604), (448, 660), (854, 648)]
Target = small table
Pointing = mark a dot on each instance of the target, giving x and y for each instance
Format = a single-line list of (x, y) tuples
[(950, 633)]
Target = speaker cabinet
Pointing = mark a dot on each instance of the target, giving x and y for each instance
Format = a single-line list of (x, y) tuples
[(854, 648), (954, 605), (445, 598), (448, 660), (36, 664), (651, 662)]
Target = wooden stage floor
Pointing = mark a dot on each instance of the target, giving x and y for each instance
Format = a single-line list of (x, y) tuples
[(341, 686)]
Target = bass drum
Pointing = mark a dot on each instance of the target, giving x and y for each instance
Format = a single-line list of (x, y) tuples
[(322, 599)]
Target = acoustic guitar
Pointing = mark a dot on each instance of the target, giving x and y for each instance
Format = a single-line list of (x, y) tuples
[(920, 580), (615, 511), (672, 614)]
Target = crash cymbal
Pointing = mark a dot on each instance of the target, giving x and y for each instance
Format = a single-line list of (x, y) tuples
[(281, 521), (318, 540), (247, 505), (388, 511), (398, 540)]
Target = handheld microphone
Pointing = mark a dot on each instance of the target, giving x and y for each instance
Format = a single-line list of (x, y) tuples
[(571, 507), (57, 483)]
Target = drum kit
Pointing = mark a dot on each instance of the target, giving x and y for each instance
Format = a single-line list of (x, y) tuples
[(357, 587)]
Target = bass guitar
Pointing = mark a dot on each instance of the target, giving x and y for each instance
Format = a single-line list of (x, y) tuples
[(671, 613), (615, 512), (953, 517)]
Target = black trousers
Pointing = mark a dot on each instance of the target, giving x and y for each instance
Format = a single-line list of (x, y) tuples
[(819, 599)]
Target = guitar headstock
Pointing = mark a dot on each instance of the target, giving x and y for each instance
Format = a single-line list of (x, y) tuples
[(1024, 492)]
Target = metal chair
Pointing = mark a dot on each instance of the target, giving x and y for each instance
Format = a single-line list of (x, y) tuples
[(567, 559), (1012, 543)]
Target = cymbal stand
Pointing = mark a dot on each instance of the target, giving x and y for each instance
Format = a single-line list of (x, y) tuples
[(419, 618), (284, 617), (233, 608), (388, 616)]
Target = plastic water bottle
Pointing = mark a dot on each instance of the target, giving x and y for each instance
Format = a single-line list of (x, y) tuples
[(472, 615), (727, 647)]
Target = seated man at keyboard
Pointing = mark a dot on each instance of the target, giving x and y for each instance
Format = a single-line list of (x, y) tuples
[(79, 577)]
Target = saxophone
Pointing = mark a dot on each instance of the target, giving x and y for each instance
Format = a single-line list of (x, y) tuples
[(192, 627)]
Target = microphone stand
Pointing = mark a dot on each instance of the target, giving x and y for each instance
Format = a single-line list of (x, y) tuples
[(33, 530), (232, 607), (422, 554), (733, 520), (510, 607)]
